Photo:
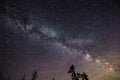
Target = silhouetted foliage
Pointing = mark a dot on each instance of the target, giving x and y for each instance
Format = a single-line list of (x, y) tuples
[(76, 76), (73, 74)]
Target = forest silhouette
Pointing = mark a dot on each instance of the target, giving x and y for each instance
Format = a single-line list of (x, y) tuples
[(74, 75)]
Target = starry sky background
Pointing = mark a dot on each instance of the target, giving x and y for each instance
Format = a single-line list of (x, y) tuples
[(50, 35)]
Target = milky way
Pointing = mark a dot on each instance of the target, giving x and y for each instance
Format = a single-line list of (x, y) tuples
[(49, 36)]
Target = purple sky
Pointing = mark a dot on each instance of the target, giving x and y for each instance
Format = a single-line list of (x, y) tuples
[(50, 35)]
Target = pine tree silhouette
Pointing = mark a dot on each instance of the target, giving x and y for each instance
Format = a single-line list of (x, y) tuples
[(73, 74), (84, 76), (76, 76)]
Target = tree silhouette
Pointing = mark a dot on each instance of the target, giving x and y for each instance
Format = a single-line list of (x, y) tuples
[(84, 76), (76, 76), (73, 74)]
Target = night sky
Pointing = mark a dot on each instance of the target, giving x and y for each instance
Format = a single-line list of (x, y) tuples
[(50, 35)]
